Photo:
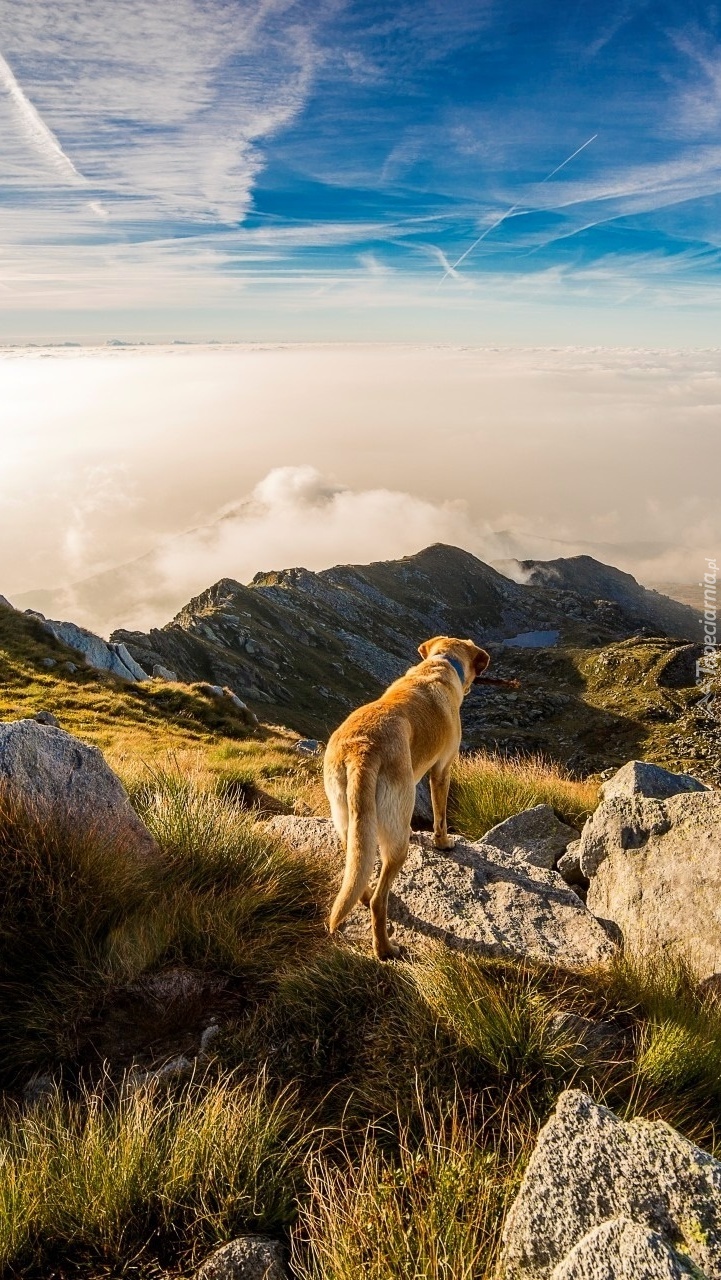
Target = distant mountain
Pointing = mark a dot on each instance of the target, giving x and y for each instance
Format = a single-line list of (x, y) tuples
[(303, 648), (591, 580)]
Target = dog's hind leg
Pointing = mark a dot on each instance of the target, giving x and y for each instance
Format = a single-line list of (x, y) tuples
[(395, 810)]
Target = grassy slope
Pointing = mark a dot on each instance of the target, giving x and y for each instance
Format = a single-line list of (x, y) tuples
[(142, 728), (375, 1117)]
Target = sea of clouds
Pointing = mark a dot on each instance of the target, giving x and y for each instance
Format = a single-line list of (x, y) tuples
[(134, 478)]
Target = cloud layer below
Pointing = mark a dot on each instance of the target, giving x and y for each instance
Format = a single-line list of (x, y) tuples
[(191, 465)]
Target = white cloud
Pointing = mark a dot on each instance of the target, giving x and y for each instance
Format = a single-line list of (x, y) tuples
[(160, 106)]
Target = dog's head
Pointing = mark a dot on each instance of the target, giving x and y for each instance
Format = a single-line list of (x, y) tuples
[(472, 659)]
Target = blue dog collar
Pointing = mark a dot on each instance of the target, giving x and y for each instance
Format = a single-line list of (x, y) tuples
[(456, 664)]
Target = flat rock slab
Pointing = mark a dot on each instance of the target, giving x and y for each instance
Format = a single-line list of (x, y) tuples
[(55, 773), (590, 1169), (474, 898), (97, 652)]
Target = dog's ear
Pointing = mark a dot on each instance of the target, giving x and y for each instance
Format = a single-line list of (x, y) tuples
[(425, 648), (481, 660)]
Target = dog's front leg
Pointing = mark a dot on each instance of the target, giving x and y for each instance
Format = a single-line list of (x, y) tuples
[(440, 781)]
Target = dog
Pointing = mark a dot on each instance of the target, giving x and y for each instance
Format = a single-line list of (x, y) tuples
[(373, 762)]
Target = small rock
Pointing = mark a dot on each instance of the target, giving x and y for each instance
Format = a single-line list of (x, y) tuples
[(38, 1089), (536, 834), (164, 673), (309, 747), (584, 1037), (174, 1069), (69, 667), (48, 663), (247, 1258), (47, 717), (208, 1038), (248, 716), (569, 866)]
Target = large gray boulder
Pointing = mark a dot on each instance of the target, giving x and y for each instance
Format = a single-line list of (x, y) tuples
[(5, 604), (97, 652), (247, 1258), (654, 863), (474, 897), (590, 1170), (536, 835), (55, 773)]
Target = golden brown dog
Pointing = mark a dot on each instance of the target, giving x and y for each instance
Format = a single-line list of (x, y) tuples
[(373, 762)]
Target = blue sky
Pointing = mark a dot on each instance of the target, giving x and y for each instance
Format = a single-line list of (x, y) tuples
[(274, 170)]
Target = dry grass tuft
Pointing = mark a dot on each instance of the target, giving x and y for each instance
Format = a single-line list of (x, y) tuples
[(431, 1208), (97, 1177), (486, 789)]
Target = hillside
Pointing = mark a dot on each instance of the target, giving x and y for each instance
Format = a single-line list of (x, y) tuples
[(188, 1058), (145, 728), (591, 580), (303, 648)]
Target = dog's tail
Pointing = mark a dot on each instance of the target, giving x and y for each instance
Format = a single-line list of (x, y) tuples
[(362, 840)]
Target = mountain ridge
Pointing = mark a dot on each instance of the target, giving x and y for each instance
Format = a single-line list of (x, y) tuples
[(303, 647)]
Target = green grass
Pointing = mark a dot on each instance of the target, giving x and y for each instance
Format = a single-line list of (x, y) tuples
[(97, 1177), (374, 1117), (78, 916), (486, 789), (501, 1013)]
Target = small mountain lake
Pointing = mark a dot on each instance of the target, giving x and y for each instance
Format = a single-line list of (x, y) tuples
[(534, 640)]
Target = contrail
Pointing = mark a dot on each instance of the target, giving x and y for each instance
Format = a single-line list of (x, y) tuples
[(35, 127), (569, 158), (513, 208)]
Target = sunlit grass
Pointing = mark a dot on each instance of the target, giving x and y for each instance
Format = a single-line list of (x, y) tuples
[(431, 1208), (486, 789), (100, 1175)]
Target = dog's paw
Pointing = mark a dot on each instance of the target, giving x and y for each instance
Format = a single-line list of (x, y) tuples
[(391, 952), (444, 842)]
